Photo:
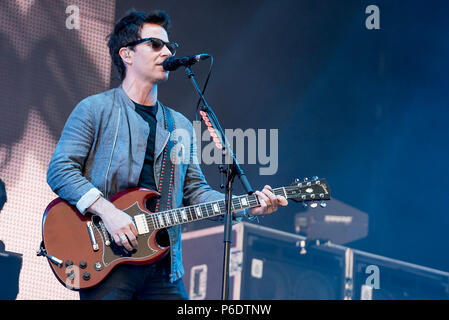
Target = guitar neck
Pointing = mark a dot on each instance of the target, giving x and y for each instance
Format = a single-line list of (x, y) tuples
[(207, 210)]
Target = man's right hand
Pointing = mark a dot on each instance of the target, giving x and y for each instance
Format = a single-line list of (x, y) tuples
[(118, 223)]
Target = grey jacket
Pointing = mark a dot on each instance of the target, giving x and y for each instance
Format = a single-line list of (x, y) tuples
[(101, 152)]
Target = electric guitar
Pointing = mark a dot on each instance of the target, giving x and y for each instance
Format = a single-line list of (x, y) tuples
[(81, 252)]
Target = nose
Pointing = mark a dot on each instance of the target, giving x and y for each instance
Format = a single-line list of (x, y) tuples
[(165, 52)]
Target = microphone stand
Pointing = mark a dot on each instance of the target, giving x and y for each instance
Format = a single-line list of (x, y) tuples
[(233, 170)]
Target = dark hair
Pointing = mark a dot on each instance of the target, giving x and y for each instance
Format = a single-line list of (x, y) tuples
[(128, 29)]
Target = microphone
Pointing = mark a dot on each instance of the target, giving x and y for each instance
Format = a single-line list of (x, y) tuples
[(171, 64)]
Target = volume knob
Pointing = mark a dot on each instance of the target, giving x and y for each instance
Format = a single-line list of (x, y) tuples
[(86, 276)]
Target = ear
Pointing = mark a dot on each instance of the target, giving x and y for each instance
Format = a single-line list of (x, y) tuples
[(126, 55)]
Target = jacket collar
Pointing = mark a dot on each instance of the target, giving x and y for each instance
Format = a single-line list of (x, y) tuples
[(162, 134)]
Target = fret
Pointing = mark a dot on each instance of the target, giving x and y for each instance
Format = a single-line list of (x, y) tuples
[(278, 192), (161, 221), (285, 192), (164, 218), (167, 218), (184, 215), (239, 204), (192, 213), (215, 208), (155, 223), (198, 211), (222, 207), (207, 210), (210, 208), (253, 201), (232, 205), (244, 201), (175, 217)]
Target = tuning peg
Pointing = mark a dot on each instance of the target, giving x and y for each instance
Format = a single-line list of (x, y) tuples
[(306, 179), (323, 204), (314, 205), (314, 178), (304, 204)]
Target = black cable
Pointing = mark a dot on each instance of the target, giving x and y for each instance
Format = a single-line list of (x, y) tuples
[(205, 86)]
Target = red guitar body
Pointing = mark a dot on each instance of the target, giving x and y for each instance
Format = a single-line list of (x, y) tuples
[(81, 243), (81, 253)]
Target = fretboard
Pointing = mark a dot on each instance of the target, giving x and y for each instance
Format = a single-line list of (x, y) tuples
[(207, 210)]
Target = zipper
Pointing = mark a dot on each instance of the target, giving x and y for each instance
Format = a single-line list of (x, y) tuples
[(112, 153)]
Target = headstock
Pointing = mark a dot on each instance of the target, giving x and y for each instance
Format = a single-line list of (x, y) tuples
[(309, 190)]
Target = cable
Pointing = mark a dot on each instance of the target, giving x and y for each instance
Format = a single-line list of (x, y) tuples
[(205, 86)]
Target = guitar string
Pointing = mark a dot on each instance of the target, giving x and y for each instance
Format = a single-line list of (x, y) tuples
[(174, 216), (153, 219), (153, 222)]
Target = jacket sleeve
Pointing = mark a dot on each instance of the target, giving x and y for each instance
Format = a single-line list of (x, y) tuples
[(65, 171)]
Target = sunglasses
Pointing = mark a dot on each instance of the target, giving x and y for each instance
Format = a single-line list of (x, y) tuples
[(156, 44)]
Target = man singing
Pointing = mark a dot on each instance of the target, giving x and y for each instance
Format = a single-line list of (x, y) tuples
[(118, 140)]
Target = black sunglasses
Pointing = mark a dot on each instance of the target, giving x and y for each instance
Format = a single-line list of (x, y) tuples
[(156, 43)]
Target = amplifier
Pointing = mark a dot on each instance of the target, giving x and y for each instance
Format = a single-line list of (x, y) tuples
[(266, 264), (10, 266), (383, 278)]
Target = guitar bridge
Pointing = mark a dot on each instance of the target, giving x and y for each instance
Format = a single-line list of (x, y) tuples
[(107, 239)]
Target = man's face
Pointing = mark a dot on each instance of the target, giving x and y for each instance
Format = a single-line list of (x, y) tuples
[(147, 61)]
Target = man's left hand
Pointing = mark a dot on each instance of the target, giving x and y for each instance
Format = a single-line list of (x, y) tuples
[(268, 202)]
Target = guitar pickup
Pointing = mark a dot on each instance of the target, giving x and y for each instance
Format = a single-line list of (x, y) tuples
[(93, 241)]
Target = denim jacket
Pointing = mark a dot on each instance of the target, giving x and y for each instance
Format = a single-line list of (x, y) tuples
[(101, 152)]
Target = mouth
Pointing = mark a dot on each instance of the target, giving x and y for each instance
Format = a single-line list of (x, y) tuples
[(160, 65)]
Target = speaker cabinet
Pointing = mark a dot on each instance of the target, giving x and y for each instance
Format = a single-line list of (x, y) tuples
[(266, 264), (10, 266), (397, 280)]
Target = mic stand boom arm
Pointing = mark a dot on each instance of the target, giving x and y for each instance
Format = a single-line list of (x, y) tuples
[(233, 170)]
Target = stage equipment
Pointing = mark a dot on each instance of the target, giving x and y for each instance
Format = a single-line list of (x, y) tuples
[(337, 222), (10, 266), (268, 264), (171, 64)]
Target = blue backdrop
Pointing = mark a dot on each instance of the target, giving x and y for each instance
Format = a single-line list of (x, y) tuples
[(366, 109)]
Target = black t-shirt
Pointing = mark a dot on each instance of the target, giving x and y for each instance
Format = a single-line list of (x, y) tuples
[(148, 113), (146, 180)]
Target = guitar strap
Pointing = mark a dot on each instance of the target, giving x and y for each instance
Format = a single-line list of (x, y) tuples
[(166, 180)]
